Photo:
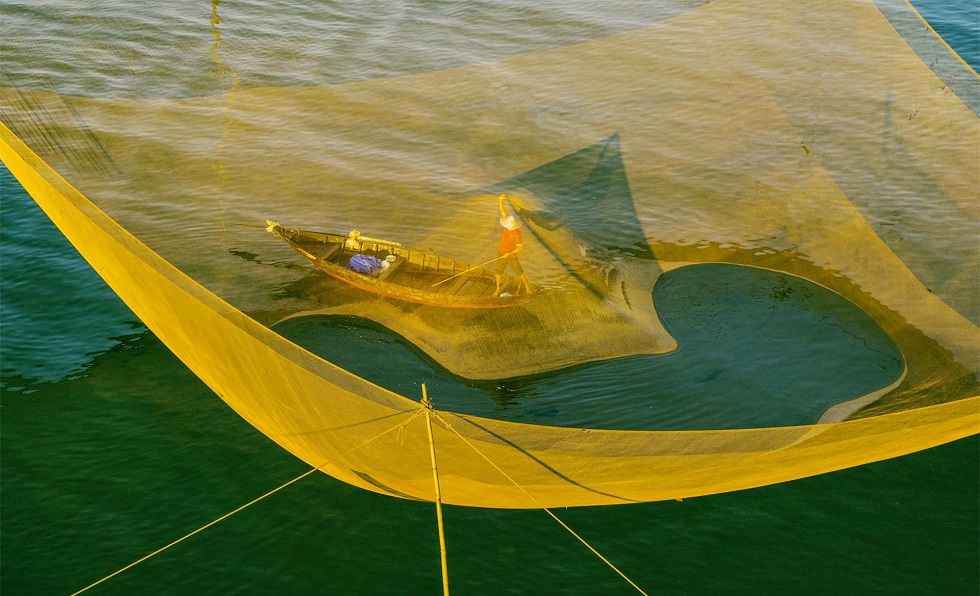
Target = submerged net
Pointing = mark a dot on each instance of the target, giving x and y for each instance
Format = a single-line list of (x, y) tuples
[(730, 133)]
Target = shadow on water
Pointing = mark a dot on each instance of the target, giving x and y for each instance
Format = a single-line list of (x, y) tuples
[(758, 348), (588, 193)]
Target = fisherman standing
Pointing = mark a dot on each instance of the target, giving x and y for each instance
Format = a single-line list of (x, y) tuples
[(510, 245)]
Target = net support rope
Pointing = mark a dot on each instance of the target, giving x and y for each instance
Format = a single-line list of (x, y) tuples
[(427, 407), (249, 504), (429, 411), (546, 510)]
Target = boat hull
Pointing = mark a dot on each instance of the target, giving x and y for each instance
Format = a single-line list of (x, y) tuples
[(416, 275)]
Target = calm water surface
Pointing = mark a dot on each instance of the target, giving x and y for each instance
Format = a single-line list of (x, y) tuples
[(810, 349), (111, 449)]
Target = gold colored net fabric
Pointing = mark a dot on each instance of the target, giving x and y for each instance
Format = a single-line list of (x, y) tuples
[(756, 143)]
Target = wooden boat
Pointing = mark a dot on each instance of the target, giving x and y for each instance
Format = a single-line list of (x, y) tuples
[(408, 273)]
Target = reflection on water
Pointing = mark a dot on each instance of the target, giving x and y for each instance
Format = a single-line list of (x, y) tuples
[(758, 348), (297, 43)]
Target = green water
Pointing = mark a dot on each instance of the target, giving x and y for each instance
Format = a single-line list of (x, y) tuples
[(111, 449), (100, 470), (757, 349), (131, 451)]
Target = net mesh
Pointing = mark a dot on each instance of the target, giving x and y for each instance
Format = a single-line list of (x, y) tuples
[(757, 143)]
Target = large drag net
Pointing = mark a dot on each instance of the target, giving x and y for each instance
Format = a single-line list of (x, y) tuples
[(729, 133)]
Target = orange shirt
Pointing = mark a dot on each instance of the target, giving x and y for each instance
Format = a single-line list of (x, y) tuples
[(509, 240)]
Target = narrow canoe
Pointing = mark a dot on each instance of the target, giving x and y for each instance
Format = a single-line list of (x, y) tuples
[(410, 273)]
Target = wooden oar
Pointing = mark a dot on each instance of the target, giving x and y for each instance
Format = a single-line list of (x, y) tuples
[(468, 270)]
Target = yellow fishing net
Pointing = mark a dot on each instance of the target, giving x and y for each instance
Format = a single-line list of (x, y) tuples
[(757, 143)]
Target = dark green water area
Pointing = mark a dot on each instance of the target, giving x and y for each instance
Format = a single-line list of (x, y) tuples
[(136, 452), (757, 348)]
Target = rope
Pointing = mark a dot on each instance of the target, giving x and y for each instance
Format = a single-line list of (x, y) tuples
[(427, 406), (249, 504), (548, 511), (467, 271)]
